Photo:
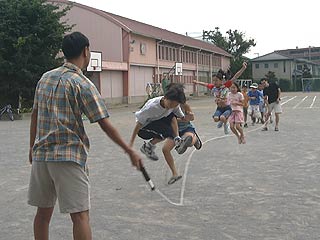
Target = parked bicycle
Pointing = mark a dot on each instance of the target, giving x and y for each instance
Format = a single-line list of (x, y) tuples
[(7, 109)]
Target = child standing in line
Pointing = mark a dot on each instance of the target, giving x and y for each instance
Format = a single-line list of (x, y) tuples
[(235, 98), (262, 105), (254, 101), (187, 131), (244, 92), (157, 120)]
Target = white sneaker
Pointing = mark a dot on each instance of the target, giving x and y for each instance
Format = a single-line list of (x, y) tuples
[(182, 147), (219, 125), (148, 150), (226, 128)]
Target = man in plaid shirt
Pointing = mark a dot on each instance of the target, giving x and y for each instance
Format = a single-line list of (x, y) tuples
[(58, 143)]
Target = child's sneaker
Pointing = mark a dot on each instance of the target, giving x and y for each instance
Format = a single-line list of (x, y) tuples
[(226, 128), (245, 125), (219, 125), (182, 147), (148, 150), (198, 143)]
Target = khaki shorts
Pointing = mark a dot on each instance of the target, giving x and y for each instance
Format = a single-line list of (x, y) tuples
[(66, 181), (276, 107)]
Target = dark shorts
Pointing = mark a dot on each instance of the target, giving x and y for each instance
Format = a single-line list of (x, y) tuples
[(225, 111), (160, 129), (188, 129)]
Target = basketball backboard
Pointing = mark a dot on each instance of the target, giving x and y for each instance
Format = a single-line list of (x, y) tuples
[(178, 68), (95, 63)]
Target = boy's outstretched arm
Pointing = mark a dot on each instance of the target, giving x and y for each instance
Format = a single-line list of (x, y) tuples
[(135, 132)]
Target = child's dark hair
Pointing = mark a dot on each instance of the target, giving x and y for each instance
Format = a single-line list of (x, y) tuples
[(237, 86), (222, 75), (175, 92), (73, 44)]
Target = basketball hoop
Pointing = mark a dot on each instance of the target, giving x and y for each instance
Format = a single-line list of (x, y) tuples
[(95, 62)]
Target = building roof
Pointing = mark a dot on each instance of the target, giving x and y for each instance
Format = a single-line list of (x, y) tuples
[(168, 36), (147, 30), (276, 56), (271, 57), (297, 49)]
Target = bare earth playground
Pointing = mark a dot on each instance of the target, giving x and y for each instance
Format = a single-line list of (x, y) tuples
[(266, 189)]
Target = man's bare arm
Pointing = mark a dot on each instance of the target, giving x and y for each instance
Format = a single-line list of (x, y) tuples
[(33, 131), (114, 135)]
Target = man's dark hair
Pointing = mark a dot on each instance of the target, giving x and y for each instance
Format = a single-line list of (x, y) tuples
[(175, 92), (73, 44), (263, 79)]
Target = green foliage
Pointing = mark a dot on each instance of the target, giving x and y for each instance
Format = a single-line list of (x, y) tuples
[(285, 85), (236, 64), (271, 76), (235, 44), (31, 34)]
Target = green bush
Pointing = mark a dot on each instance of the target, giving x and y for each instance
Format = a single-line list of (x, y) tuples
[(285, 85)]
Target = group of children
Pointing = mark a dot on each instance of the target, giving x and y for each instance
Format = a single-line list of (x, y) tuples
[(168, 118)]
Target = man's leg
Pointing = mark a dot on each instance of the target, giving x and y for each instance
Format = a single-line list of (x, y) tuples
[(277, 119), (41, 223), (81, 226)]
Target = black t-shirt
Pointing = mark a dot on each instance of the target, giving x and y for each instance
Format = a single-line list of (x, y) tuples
[(271, 92)]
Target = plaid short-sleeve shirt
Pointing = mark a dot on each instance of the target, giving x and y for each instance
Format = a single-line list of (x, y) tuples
[(61, 97)]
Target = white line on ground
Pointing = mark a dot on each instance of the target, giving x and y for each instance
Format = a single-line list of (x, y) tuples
[(314, 99), (300, 102), (21, 188), (288, 100), (184, 179)]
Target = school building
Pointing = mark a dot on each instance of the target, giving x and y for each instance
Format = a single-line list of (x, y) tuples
[(135, 53)]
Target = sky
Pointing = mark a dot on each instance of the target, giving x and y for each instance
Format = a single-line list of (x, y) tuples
[(273, 24)]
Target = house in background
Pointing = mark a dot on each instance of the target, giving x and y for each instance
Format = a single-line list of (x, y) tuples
[(285, 67), (311, 53), (135, 53)]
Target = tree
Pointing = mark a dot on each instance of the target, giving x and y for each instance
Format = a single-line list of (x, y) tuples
[(271, 76), (235, 44), (31, 32)]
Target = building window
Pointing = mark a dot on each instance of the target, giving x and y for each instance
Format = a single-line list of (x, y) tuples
[(284, 66), (162, 52), (257, 65), (143, 49), (299, 67), (266, 65), (275, 65), (167, 54)]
